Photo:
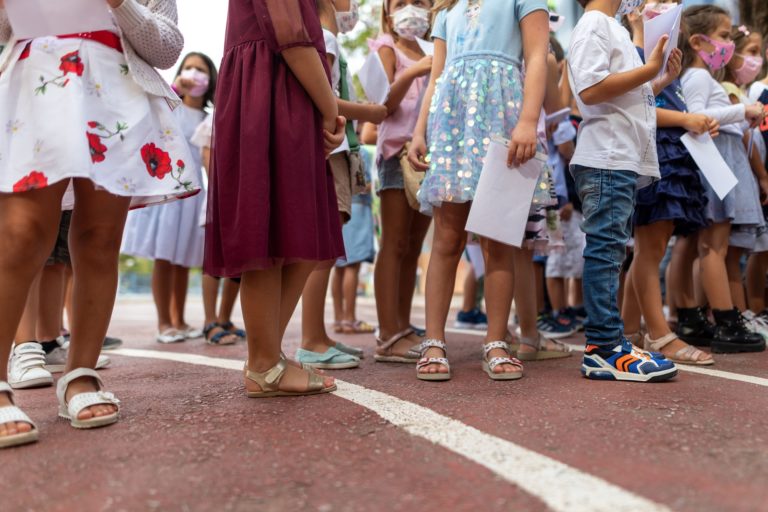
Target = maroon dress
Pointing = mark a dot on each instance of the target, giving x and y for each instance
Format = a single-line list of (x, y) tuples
[(272, 199)]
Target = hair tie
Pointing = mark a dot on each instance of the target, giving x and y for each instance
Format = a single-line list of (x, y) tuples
[(744, 30)]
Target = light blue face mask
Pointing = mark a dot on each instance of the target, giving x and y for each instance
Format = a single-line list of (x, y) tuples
[(627, 6)]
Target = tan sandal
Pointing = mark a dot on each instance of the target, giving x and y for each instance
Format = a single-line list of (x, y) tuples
[(545, 349), (686, 355), (489, 366), (356, 327), (384, 353), (269, 382)]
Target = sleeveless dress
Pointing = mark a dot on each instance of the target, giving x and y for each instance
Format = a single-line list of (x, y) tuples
[(70, 109), (172, 231), (271, 199)]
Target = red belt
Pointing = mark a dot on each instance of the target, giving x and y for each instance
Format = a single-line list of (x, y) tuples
[(105, 37)]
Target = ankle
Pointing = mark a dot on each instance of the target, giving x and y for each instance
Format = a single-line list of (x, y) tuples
[(263, 363)]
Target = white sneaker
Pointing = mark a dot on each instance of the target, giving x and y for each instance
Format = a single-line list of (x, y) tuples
[(56, 360), (756, 324), (26, 368)]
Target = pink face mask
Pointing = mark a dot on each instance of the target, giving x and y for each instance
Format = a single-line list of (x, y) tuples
[(718, 58), (749, 69)]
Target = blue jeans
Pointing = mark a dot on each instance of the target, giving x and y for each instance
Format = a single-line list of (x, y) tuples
[(607, 201)]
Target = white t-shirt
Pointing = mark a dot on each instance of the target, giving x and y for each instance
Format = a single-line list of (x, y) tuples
[(332, 48), (757, 89), (620, 133), (704, 95)]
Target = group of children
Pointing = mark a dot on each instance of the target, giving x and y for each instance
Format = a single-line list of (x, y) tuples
[(618, 181)]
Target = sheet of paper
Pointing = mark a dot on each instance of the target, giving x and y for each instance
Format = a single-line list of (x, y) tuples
[(475, 253), (558, 117), (373, 78), (428, 47), (503, 197), (704, 152), (39, 18), (663, 24)]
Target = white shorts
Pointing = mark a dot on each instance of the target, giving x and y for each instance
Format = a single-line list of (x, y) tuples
[(569, 262)]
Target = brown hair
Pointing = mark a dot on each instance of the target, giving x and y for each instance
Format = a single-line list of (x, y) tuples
[(740, 36), (700, 19)]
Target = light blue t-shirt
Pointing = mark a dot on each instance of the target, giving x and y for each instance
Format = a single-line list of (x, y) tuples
[(485, 27)]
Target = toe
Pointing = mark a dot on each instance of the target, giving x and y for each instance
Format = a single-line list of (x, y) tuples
[(86, 414), (11, 429), (3, 430), (23, 427), (329, 381)]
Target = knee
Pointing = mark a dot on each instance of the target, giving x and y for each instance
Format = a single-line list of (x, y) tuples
[(449, 244), (97, 243), (31, 241), (394, 246)]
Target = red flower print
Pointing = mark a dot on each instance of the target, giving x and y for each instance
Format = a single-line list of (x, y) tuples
[(158, 162), (96, 148), (71, 63), (92, 124), (180, 164), (31, 181)]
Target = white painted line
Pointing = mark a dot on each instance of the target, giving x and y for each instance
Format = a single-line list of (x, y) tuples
[(562, 487)]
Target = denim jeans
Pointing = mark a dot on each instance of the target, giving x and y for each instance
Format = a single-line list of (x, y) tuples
[(607, 201)]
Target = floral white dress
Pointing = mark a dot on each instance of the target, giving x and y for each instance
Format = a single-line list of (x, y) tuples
[(70, 109)]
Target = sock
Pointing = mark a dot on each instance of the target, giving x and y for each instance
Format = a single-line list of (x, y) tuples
[(49, 346)]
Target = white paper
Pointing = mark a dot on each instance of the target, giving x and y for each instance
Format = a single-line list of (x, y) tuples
[(558, 117), (664, 24), (373, 77), (704, 152), (39, 18), (475, 253), (428, 47), (503, 197)]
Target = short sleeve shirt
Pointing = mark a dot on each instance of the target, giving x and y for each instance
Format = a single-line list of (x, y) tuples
[(486, 27), (619, 133)]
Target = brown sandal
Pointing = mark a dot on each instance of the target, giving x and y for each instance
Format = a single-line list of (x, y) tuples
[(269, 382), (384, 353)]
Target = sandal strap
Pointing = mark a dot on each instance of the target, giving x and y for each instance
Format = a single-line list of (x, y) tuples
[(269, 380), (487, 347), (426, 361), (216, 338), (11, 413), (690, 353), (496, 361), (431, 343), (63, 384), (6, 388), (84, 400), (209, 327), (387, 344), (662, 342)]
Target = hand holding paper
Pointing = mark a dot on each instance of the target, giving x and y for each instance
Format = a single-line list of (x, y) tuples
[(667, 24)]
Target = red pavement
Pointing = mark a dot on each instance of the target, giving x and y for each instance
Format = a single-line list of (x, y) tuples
[(190, 440)]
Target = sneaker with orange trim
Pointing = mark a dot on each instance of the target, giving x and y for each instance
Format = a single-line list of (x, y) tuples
[(626, 363)]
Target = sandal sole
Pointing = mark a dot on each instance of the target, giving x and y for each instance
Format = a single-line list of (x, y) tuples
[(19, 439), (395, 359), (275, 394), (33, 383), (434, 377), (101, 421), (333, 366), (501, 376), (693, 363)]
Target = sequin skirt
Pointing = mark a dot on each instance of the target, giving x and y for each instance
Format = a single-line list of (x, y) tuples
[(477, 97)]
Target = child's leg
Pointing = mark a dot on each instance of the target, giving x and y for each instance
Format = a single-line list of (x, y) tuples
[(650, 246), (630, 309), (757, 267), (556, 291), (179, 287), (713, 250), (229, 290), (31, 220), (27, 328), (210, 296), (313, 335), (539, 282), (161, 291), (608, 198), (447, 246), (735, 283), (470, 290), (407, 287), (524, 289), (337, 285), (51, 302), (576, 292), (681, 273), (94, 241), (349, 290)]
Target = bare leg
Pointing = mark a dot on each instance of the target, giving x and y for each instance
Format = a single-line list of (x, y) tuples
[(733, 264), (557, 296), (161, 292), (210, 297), (337, 284), (94, 240), (500, 271), (757, 267), (27, 329), (470, 291), (576, 292), (713, 248), (681, 272), (51, 302), (407, 288), (68, 295), (538, 271), (630, 310), (229, 291), (349, 288), (313, 334), (179, 287)]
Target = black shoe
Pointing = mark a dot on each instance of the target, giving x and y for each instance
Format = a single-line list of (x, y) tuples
[(732, 335), (111, 343), (693, 327)]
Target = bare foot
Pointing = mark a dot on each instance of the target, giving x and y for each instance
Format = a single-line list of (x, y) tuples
[(88, 385), (434, 367), (12, 428)]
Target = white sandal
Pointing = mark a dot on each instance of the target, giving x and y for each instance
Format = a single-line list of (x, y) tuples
[(12, 414), (426, 361), (489, 366), (686, 355), (82, 401)]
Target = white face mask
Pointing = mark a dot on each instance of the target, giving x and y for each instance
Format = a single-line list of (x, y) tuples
[(347, 20), (628, 6), (410, 22)]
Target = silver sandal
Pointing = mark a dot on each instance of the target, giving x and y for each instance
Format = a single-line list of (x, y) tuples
[(489, 366), (426, 361), (556, 350)]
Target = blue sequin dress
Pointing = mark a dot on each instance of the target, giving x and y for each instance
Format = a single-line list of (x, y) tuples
[(479, 95)]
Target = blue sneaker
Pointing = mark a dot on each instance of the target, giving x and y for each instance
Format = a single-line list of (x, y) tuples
[(474, 319), (575, 316), (555, 328), (625, 363)]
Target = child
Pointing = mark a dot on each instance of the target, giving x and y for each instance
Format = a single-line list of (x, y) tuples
[(674, 205), (317, 348), (103, 145), (735, 219), (170, 234), (476, 91), (272, 212), (616, 151), (402, 228)]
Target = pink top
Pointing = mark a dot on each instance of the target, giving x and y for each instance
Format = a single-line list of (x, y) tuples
[(397, 129)]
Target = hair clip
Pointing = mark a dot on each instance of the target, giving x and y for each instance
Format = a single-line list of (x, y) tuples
[(744, 30)]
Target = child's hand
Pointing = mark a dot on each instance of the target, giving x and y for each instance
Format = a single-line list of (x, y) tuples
[(377, 113), (522, 144), (674, 67), (417, 154), (333, 135), (714, 127), (697, 123), (656, 59), (755, 114), (566, 212), (423, 67)]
